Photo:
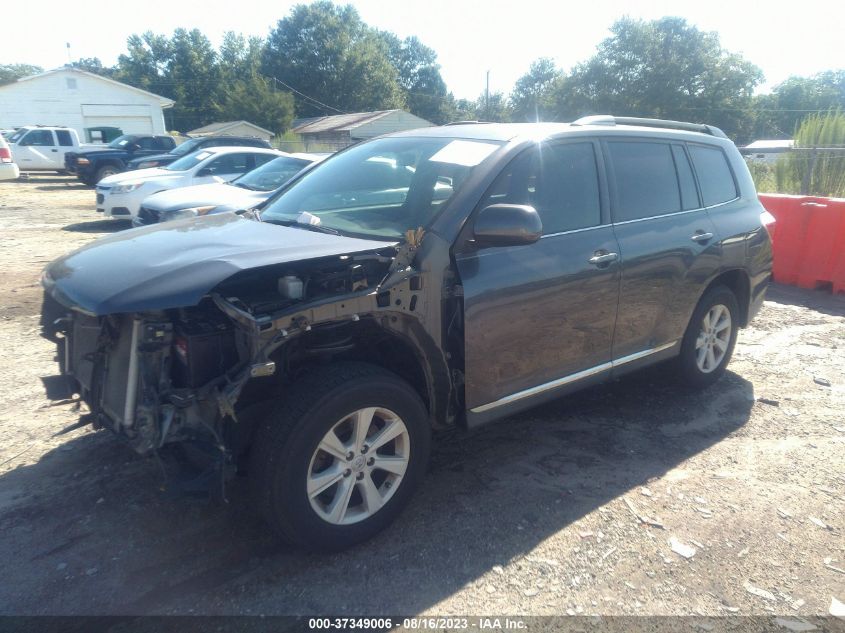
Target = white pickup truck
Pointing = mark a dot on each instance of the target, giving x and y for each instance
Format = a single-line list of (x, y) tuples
[(43, 148)]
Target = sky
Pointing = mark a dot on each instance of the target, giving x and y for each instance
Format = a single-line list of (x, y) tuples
[(470, 37)]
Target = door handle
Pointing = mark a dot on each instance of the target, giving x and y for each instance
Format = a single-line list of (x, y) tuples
[(702, 237), (54, 150), (603, 258)]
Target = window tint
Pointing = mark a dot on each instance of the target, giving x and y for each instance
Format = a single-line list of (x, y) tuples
[(231, 164), (689, 194), (64, 137), (39, 138), (714, 175), (164, 142), (646, 183), (560, 181)]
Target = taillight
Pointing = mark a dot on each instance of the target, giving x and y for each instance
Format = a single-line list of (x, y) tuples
[(5, 155), (768, 222)]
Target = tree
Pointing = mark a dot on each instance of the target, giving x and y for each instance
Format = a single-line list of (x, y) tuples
[(93, 65), (333, 60), (193, 77), (258, 101), (666, 69), (797, 98), (13, 72), (533, 95), (419, 76)]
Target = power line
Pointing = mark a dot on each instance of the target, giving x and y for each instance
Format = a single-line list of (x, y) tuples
[(305, 96)]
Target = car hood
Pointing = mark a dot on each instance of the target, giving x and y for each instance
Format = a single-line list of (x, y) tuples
[(218, 194), (139, 174), (176, 264)]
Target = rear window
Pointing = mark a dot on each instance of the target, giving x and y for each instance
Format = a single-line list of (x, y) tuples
[(714, 174), (646, 182)]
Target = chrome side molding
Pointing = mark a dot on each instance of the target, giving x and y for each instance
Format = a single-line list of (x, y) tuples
[(560, 382)]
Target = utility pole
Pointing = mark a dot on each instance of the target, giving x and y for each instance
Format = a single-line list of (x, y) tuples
[(69, 60), (487, 99)]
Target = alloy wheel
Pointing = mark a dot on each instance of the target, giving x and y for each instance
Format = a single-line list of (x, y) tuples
[(358, 466), (714, 338)]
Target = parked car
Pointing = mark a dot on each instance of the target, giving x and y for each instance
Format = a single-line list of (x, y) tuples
[(100, 161), (243, 193), (8, 169), (120, 195), (317, 343), (44, 148), (193, 145)]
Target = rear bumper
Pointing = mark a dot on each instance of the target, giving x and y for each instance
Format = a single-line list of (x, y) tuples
[(9, 171)]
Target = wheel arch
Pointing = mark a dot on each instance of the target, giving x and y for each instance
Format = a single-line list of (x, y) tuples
[(738, 282)]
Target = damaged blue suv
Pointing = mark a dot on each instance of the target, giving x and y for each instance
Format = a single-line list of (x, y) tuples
[(422, 280)]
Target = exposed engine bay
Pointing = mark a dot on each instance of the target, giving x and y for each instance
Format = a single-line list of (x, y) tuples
[(184, 374)]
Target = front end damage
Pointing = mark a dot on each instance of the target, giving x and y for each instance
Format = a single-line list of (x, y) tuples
[(189, 374)]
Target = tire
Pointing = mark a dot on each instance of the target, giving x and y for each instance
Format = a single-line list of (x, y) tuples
[(697, 368), (105, 171), (286, 456)]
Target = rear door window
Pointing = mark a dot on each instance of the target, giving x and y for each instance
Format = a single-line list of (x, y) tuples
[(714, 174), (65, 139), (559, 180), (645, 181)]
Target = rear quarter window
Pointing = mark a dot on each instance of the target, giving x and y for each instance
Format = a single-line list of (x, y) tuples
[(714, 174)]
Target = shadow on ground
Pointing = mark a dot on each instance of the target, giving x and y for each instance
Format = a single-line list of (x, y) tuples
[(92, 533), (819, 300), (67, 186), (98, 226)]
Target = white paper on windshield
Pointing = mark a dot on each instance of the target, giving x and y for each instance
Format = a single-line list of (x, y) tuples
[(203, 155), (466, 153)]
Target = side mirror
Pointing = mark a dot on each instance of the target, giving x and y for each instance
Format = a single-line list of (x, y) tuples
[(507, 225), (205, 171)]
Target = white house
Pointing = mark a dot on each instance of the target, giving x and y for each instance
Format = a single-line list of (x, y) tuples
[(233, 128), (341, 130), (78, 99), (767, 151)]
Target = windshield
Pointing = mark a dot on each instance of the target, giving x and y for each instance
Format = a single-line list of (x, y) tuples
[(380, 189), (272, 175), (14, 138), (186, 162), (121, 141), (186, 148)]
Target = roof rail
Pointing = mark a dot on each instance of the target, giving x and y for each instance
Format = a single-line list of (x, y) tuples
[(467, 123), (607, 119)]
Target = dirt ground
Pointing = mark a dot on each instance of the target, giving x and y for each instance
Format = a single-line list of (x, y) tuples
[(534, 515)]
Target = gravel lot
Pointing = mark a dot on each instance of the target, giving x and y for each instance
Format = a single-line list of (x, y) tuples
[(569, 508)]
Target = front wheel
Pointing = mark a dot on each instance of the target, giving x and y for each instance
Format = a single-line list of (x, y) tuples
[(341, 456), (710, 337), (106, 171)]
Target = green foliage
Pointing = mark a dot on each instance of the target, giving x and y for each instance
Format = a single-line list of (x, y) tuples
[(419, 77), (534, 95), (332, 59), (763, 175), (13, 72), (780, 113), (665, 69), (820, 172)]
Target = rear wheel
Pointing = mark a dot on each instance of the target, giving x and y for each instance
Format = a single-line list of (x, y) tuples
[(341, 457), (710, 338)]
